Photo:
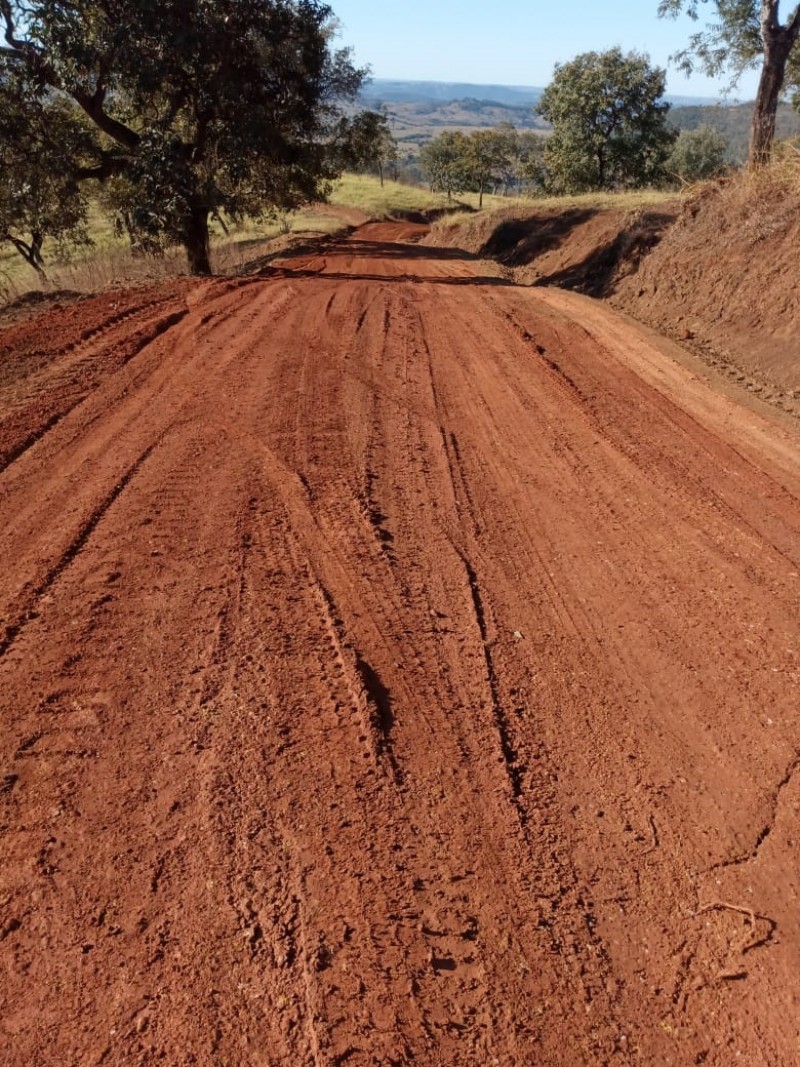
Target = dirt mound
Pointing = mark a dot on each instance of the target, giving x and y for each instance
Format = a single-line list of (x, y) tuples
[(586, 249), (34, 302), (725, 277)]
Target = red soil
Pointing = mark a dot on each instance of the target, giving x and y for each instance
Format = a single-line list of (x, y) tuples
[(397, 666)]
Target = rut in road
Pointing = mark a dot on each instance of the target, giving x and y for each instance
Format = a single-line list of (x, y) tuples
[(399, 667)]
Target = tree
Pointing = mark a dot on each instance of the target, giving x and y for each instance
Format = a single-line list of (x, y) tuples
[(609, 122), (529, 166), (195, 106), (487, 155), (746, 33), (697, 155), (369, 143), (445, 163)]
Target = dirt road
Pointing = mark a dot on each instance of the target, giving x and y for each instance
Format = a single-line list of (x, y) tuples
[(397, 666)]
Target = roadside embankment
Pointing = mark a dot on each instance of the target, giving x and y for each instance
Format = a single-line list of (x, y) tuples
[(714, 269)]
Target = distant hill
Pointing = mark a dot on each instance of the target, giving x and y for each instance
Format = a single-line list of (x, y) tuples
[(416, 123), (420, 92), (420, 110), (392, 91)]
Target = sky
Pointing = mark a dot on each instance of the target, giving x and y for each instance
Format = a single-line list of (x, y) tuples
[(512, 42)]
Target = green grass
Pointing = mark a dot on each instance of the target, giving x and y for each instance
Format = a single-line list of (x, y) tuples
[(364, 193)]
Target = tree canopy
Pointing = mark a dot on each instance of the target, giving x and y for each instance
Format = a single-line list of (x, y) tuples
[(370, 144), (444, 163), (496, 159), (192, 106), (743, 35), (609, 122), (39, 194), (697, 155)]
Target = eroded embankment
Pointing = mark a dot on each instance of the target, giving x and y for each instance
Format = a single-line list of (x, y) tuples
[(716, 272)]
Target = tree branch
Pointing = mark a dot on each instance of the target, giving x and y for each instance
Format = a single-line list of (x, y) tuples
[(29, 252), (91, 103), (109, 167), (117, 131)]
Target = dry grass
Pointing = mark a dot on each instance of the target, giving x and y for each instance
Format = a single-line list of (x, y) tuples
[(109, 263), (759, 203), (505, 208)]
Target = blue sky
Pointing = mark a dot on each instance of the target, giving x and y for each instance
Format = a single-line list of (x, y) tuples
[(510, 42)]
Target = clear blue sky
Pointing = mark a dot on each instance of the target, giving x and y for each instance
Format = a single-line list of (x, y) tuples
[(510, 42)]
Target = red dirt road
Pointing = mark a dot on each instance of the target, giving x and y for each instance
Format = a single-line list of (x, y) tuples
[(397, 666)]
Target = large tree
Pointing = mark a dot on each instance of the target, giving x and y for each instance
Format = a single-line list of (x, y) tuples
[(196, 106), (745, 33), (609, 122)]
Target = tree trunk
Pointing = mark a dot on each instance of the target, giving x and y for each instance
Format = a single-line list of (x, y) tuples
[(196, 240), (31, 253), (778, 42), (480, 196), (762, 132), (601, 167)]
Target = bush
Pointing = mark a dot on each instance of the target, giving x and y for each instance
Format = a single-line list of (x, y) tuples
[(697, 155)]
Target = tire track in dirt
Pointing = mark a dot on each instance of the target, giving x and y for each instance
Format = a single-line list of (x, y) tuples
[(40, 387), (30, 609)]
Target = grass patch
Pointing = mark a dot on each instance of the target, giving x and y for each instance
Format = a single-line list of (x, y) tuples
[(364, 193), (760, 203)]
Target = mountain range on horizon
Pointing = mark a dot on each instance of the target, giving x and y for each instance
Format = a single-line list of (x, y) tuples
[(400, 91)]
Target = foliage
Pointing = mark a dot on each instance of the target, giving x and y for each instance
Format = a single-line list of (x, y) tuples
[(609, 122), (196, 106), (500, 159), (697, 155), (39, 197), (444, 163), (487, 158), (734, 123), (746, 34), (529, 165), (732, 42), (368, 143)]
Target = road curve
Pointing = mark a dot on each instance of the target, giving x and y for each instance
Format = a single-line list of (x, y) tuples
[(397, 666)]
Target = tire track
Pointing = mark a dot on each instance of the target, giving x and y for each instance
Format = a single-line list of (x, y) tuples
[(23, 613)]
